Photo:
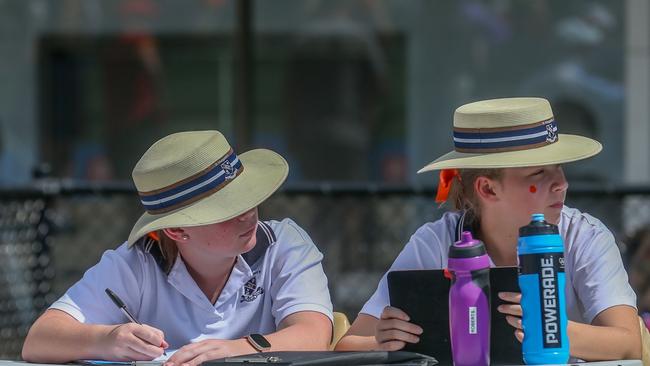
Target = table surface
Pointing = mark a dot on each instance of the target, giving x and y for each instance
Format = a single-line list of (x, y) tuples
[(150, 363)]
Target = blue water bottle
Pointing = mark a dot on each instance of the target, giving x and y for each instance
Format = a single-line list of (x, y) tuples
[(543, 302)]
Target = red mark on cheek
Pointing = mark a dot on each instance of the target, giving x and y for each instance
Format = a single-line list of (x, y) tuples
[(532, 189)]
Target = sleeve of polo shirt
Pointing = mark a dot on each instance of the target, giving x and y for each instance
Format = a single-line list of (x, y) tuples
[(121, 271), (421, 252), (599, 276), (299, 282)]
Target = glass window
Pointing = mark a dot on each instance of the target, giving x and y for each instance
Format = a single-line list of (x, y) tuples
[(347, 90)]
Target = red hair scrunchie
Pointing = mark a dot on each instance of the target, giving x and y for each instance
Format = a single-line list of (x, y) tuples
[(444, 185)]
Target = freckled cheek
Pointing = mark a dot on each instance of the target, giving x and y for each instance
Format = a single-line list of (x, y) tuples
[(211, 237), (225, 227), (527, 202)]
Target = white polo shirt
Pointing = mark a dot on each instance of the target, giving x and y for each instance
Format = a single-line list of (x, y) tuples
[(282, 275), (595, 277)]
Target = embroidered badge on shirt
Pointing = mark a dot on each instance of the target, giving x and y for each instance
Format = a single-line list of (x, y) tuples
[(251, 291)]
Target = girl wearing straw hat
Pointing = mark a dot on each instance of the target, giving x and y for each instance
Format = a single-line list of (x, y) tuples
[(199, 271), (504, 167)]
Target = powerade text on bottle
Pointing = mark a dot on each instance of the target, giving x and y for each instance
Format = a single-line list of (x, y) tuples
[(541, 279), (469, 302)]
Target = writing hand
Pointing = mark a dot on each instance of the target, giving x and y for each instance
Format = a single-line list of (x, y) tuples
[(133, 342)]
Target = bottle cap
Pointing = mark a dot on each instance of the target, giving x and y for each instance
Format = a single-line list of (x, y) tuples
[(538, 226), (467, 247)]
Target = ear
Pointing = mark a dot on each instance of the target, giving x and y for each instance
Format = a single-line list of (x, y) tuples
[(176, 234), (486, 189)]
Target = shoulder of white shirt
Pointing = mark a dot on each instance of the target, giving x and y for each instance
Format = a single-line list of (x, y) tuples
[(574, 217)]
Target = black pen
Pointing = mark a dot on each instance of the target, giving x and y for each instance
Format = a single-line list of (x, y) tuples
[(120, 304)]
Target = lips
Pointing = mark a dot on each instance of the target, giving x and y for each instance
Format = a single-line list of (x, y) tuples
[(559, 204), (249, 231)]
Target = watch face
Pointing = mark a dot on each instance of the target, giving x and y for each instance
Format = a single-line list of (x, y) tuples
[(260, 340)]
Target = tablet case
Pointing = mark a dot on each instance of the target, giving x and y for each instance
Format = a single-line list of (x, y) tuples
[(327, 358), (423, 295)]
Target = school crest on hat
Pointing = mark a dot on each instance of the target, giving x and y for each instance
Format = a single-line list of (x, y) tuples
[(229, 170)]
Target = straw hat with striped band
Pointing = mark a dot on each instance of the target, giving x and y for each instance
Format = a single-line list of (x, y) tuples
[(508, 133), (195, 178)]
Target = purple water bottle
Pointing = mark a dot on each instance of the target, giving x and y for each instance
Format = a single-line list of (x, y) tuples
[(469, 302)]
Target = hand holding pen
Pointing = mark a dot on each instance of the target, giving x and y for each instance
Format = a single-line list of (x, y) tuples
[(120, 304)]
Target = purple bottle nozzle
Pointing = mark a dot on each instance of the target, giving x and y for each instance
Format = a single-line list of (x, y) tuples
[(466, 239), (467, 254)]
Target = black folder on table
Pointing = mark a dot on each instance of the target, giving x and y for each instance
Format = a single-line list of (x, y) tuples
[(424, 296), (327, 358)]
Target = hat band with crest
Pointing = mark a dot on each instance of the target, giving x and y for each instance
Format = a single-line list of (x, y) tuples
[(191, 189), (486, 140)]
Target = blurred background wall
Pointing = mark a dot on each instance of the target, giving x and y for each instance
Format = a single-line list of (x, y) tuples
[(356, 94)]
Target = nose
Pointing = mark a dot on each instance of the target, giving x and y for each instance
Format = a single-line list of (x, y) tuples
[(248, 215), (560, 183)]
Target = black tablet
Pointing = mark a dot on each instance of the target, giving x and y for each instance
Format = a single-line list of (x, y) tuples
[(423, 295)]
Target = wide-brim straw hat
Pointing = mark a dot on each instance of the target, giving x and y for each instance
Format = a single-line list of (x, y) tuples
[(509, 133), (195, 178)]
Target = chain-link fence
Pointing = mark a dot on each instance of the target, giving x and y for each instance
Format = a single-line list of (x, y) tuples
[(50, 235)]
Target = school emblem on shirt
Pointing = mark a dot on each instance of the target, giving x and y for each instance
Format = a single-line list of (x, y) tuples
[(551, 136), (251, 291), (228, 169)]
